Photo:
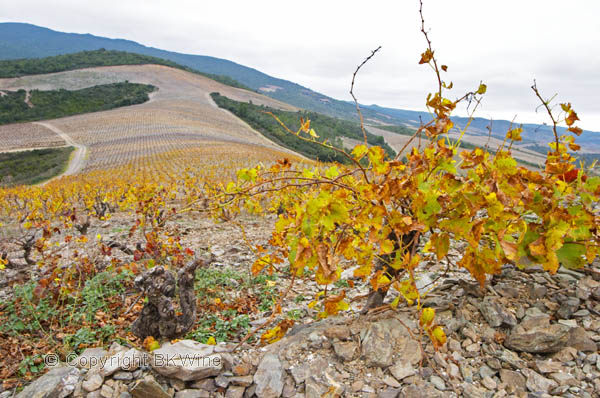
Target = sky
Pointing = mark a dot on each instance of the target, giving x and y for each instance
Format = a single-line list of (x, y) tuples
[(318, 44)]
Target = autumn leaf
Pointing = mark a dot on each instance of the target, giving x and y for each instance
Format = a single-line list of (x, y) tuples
[(427, 316), (275, 334), (571, 118), (438, 336), (426, 56), (150, 344)]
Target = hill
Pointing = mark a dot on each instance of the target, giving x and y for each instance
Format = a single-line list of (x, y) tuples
[(179, 123), (21, 40)]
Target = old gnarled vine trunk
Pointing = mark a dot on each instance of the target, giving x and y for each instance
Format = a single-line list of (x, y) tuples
[(158, 317)]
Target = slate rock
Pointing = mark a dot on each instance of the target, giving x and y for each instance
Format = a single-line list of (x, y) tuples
[(580, 340), (187, 360), (512, 378), (235, 392), (540, 337), (57, 383), (192, 393), (495, 314), (568, 307), (389, 393), (269, 377), (148, 387), (345, 350), (92, 382), (402, 369), (537, 383), (377, 346)]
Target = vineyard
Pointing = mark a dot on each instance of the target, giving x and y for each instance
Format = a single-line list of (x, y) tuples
[(429, 267)]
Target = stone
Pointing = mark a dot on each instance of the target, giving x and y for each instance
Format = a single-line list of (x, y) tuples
[(408, 351), (377, 347), (338, 332), (539, 338), (391, 382), (401, 370), (345, 350), (438, 383), (413, 391), (58, 382), (512, 378), (538, 291), (192, 393), (242, 369), (89, 358), (314, 389), (221, 381), (111, 364), (106, 391), (243, 381), (511, 358), (486, 371), (548, 366), (389, 393), (537, 383), (148, 387), (132, 359), (206, 385), (488, 383), (123, 375), (235, 392), (177, 384), (568, 307), (506, 290), (289, 388), (315, 367), (92, 382), (495, 314), (534, 317), (471, 391), (269, 377), (187, 360), (564, 378), (115, 348), (580, 340)]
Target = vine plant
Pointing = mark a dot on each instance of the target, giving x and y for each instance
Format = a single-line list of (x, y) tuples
[(500, 212)]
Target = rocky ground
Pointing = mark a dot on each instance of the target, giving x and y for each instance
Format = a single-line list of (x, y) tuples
[(528, 334)]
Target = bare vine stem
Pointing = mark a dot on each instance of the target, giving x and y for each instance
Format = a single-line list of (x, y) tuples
[(362, 125)]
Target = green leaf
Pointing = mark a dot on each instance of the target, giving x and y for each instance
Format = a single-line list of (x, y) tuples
[(571, 255), (332, 172), (359, 151)]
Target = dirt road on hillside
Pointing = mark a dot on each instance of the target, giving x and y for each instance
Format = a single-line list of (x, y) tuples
[(78, 159)]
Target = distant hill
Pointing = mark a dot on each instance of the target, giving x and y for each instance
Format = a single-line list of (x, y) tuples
[(22, 40), (540, 134)]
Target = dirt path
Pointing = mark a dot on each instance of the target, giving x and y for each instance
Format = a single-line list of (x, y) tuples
[(78, 159)]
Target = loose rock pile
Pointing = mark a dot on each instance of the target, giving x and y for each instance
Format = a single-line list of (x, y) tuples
[(527, 335)]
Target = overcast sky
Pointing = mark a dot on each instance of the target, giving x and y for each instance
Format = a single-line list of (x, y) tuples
[(318, 44)]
